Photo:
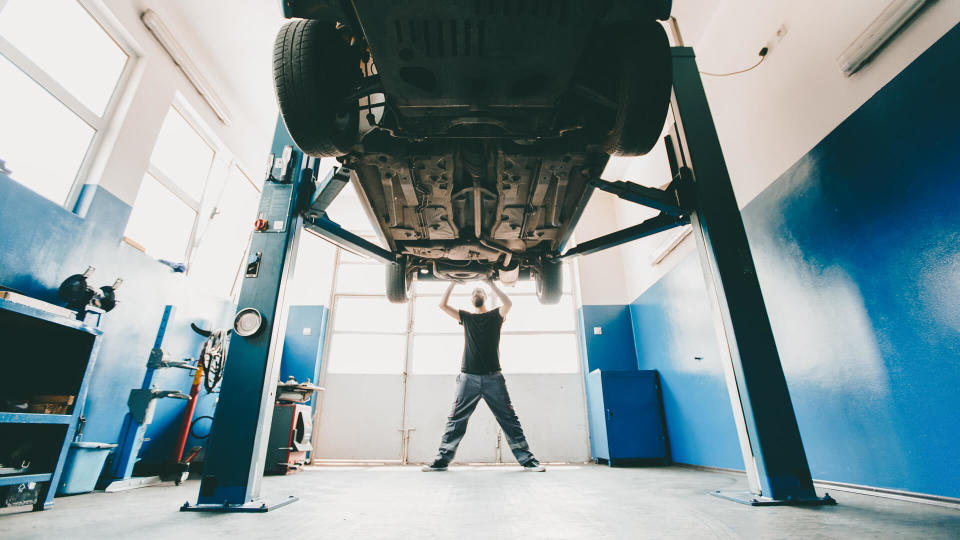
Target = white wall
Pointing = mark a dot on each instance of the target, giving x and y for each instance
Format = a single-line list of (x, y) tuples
[(770, 117), (150, 92)]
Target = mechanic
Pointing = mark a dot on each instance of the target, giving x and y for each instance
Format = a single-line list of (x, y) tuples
[(480, 377)]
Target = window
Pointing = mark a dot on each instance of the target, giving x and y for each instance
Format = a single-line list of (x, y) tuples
[(60, 71), (164, 218), (535, 338), (371, 335), (222, 245)]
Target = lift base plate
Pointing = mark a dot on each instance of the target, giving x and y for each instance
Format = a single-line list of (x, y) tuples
[(257, 506), (752, 499)]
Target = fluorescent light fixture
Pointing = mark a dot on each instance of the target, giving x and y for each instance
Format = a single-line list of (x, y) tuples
[(667, 247), (160, 31), (891, 19)]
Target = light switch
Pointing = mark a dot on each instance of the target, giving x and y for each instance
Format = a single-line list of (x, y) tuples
[(308, 331), (597, 330)]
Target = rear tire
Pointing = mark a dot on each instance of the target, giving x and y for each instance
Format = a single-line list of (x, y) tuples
[(399, 282), (313, 70), (550, 282), (643, 95)]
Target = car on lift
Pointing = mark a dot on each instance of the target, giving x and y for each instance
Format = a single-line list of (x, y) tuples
[(474, 127)]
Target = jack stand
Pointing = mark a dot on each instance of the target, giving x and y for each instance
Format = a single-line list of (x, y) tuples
[(142, 404)]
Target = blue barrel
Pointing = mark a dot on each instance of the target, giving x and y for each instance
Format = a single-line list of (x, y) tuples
[(82, 469)]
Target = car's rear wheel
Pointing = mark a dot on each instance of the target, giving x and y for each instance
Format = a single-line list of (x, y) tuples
[(314, 69), (643, 93), (550, 282), (399, 282)]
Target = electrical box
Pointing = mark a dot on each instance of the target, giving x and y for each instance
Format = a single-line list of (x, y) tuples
[(626, 418)]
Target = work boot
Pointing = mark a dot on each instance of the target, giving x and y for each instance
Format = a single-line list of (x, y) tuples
[(438, 465), (533, 466)]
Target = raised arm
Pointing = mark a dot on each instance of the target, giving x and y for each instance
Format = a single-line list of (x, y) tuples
[(504, 299), (445, 302)]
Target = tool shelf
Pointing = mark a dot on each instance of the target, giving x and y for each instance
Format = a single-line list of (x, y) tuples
[(43, 353)]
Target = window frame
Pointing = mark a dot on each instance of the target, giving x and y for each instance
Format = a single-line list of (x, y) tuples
[(208, 199), (101, 124)]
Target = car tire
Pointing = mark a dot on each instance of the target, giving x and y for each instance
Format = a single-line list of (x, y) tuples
[(550, 282), (399, 282), (313, 70), (643, 95)]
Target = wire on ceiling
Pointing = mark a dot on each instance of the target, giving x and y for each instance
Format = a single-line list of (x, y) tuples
[(763, 56)]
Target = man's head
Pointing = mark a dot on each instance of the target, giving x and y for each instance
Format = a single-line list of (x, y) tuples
[(478, 297)]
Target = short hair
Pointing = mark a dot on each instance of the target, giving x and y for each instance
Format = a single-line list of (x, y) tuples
[(479, 290)]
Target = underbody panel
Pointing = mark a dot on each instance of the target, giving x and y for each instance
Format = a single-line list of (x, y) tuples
[(474, 200)]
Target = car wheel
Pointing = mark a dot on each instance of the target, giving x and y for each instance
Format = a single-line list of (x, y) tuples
[(643, 97), (399, 282), (550, 282), (313, 70)]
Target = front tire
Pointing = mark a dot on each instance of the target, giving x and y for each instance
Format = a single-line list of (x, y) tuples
[(313, 70), (550, 282), (399, 282), (643, 92)]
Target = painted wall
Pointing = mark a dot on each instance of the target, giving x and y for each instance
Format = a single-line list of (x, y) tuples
[(303, 344), (857, 248), (43, 243)]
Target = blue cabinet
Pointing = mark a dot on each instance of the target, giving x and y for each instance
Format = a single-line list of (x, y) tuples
[(626, 417)]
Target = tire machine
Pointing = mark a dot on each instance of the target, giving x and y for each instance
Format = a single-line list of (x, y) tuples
[(699, 193)]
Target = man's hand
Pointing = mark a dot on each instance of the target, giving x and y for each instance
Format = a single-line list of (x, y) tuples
[(504, 299), (445, 302)]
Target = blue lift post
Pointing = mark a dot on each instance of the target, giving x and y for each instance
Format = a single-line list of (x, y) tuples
[(770, 439), (233, 467)]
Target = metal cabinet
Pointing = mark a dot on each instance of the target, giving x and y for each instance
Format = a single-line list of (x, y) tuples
[(626, 418)]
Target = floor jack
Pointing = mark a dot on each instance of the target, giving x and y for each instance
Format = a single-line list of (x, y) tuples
[(142, 404)]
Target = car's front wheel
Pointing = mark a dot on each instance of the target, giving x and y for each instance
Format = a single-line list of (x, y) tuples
[(550, 282), (314, 69)]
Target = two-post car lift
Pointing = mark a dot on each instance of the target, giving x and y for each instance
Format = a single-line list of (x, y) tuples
[(700, 194)]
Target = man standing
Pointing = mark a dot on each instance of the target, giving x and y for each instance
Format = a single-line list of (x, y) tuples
[(480, 377)]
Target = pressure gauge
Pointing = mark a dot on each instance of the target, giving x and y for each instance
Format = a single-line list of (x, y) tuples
[(248, 322)]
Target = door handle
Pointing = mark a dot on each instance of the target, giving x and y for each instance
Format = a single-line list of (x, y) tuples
[(609, 414)]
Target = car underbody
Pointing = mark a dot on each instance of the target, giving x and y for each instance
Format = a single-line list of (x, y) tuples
[(474, 127), (462, 209)]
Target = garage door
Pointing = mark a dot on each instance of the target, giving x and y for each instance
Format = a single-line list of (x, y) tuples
[(390, 370)]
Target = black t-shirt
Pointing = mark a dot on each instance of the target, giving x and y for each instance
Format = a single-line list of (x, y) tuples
[(481, 350)]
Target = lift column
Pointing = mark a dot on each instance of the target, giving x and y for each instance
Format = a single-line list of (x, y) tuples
[(235, 455), (770, 440)]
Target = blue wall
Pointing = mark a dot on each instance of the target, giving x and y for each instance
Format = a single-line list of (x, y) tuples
[(857, 248), (42, 244), (301, 353)]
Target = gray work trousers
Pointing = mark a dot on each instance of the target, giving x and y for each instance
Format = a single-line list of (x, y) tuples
[(493, 390)]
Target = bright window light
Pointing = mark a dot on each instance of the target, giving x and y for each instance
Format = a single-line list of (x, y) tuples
[(182, 155), (69, 45), (367, 353), (359, 314), (221, 250), (160, 221), (41, 140), (362, 279), (437, 355), (529, 315), (539, 353)]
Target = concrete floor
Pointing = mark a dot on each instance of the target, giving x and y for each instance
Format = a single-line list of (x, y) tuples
[(585, 501)]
